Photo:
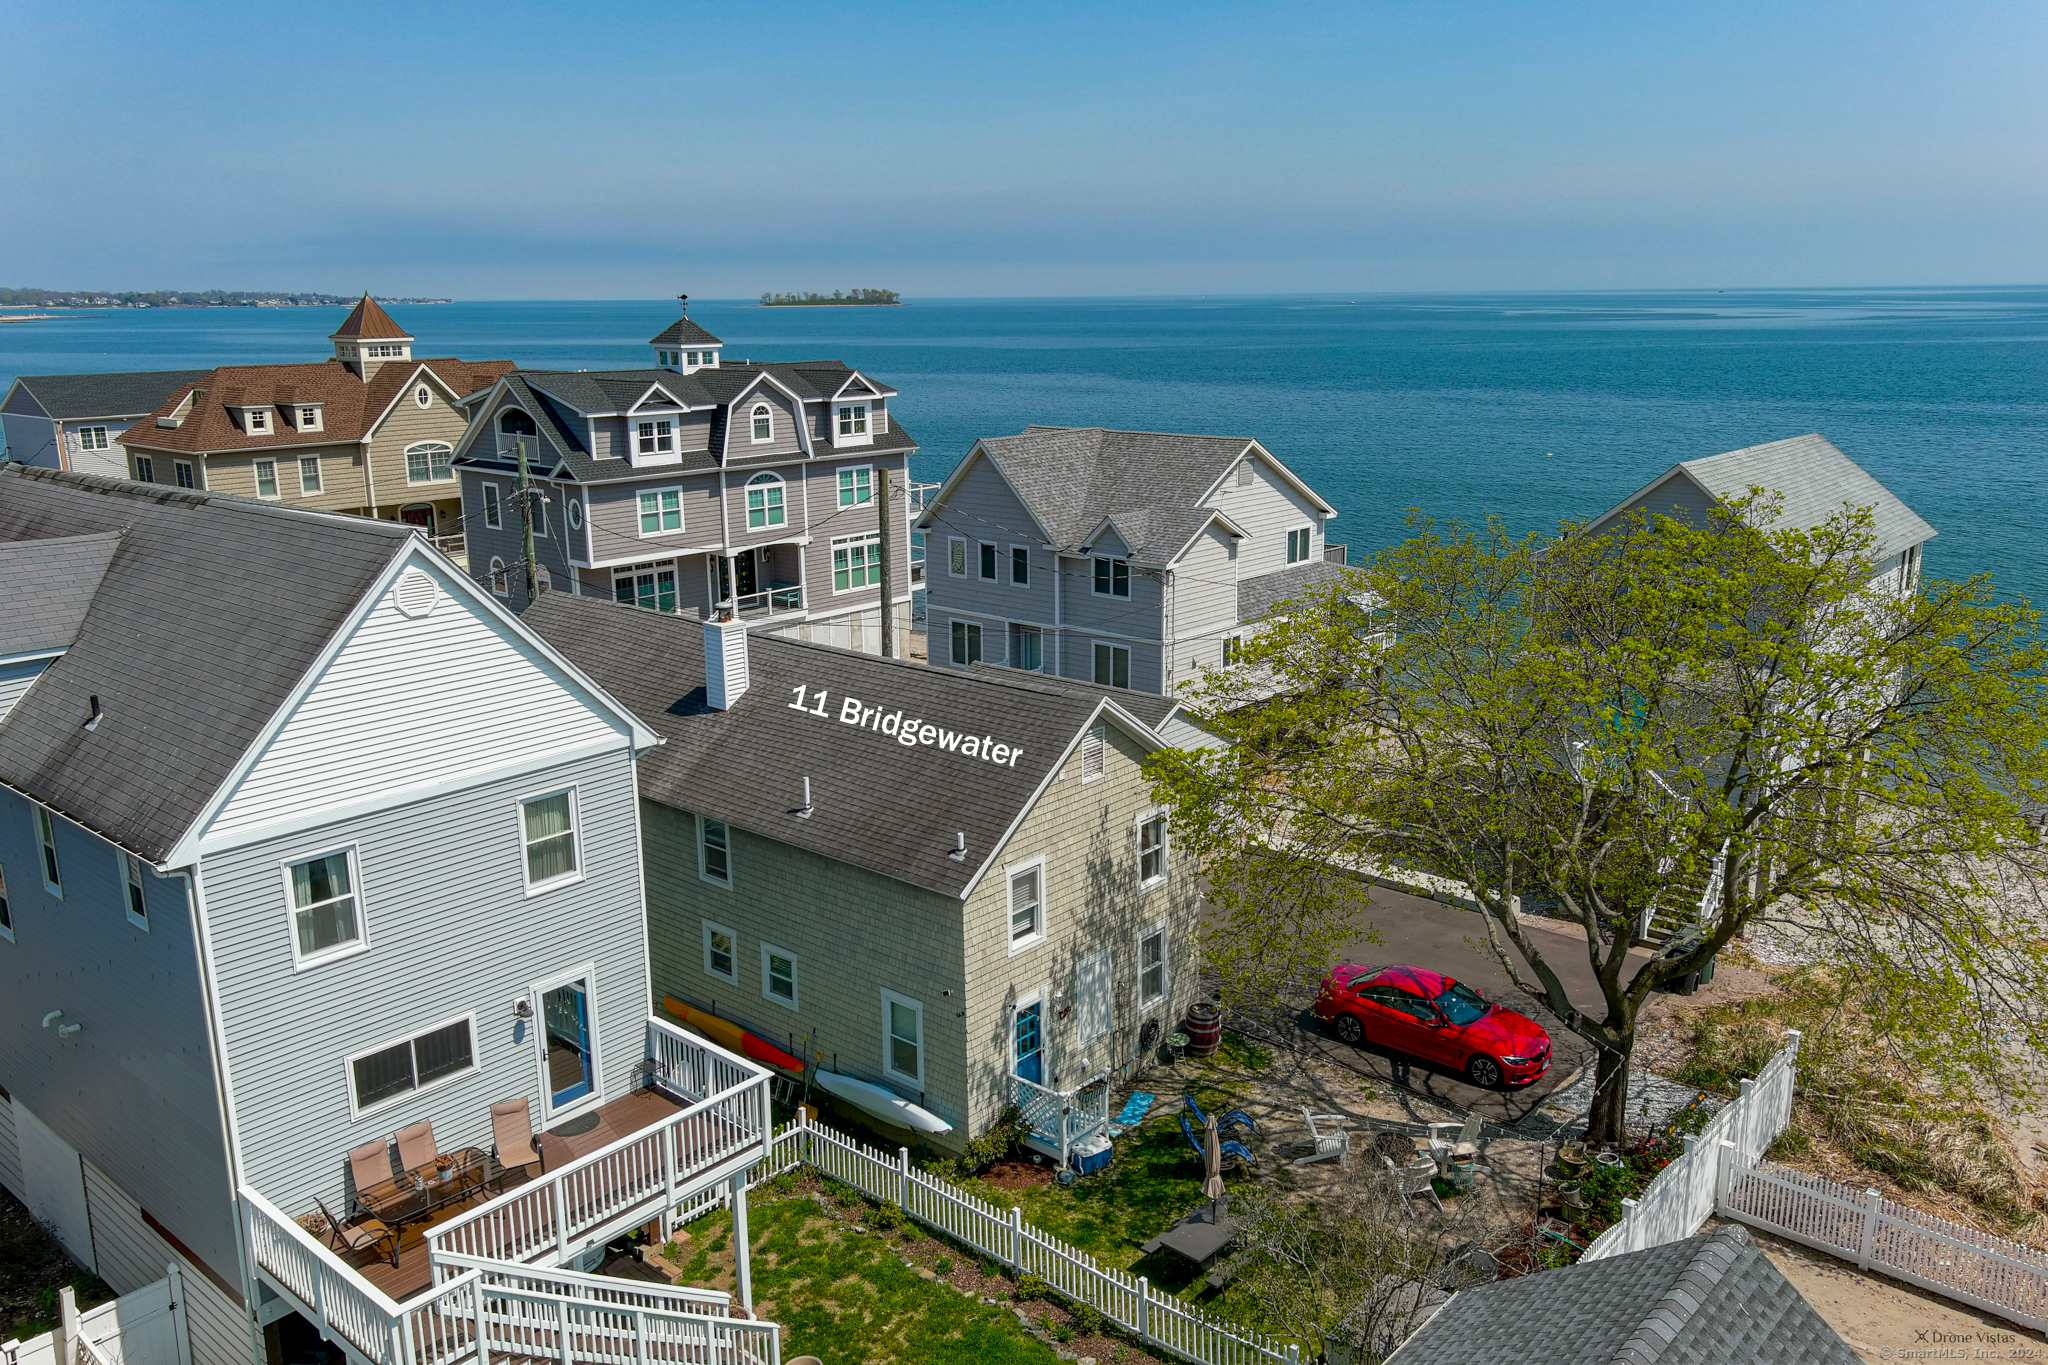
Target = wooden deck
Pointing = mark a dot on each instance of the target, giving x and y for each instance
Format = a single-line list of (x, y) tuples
[(622, 1117)]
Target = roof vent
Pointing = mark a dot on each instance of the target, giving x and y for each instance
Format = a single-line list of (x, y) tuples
[(725, 663), (415, 594)]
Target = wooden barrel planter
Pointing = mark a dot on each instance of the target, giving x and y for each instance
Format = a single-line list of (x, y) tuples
[(1204, 1028)]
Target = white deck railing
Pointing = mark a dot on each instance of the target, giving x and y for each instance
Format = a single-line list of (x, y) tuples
[(1062, 1119)]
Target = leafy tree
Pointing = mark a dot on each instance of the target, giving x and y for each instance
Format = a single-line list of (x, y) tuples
[(1719, 725)]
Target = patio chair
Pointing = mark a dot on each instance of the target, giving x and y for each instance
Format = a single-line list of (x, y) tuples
[(1224, 1123), (366, 1235), (1410, 1181), (1445, 1149), (512, 1136), (1228, 1147), (1324, 1142), (368, 1165), (416, 1145)]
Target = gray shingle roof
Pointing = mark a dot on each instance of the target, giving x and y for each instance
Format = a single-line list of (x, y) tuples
[(208, 614), (879, 804), (129, 394), (50, 584), (1705, 1300), (1258, 596), (683, 332)]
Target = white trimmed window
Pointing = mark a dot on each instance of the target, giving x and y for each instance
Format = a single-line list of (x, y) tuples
[(429, 461), (764, 502), (145, 469), (266, 478), (309, 473), (541, 581), (853, 419), (1094, 752), (1113, 577), (650, 586), (46, 839), (183, 470), (763, 423), (326, 918), (956, 557), (257, 419), (499, 583), (778, 975), (657, 437), (1027, 904), (988, 561), (575, 514), (1231, 645), (661, 511), (856, 486), (1298, 545), (424, 396), (1152, 966), (1112, 666), (384, 1074), (1152, 850), (856, 562), (92, 438), (1020, 565), (903, 1037), (966, 643), (494, 511), (1027, 648), (721, 952), (137, 901), (6, 909), (714, 851), (548, 828), (309, 419)]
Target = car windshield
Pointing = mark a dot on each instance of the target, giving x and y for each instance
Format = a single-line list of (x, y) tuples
[(1462, 1005)]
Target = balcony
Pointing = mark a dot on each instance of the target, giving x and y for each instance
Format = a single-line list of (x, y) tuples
[(1062, 1120), (779, 600), (490, 1281)]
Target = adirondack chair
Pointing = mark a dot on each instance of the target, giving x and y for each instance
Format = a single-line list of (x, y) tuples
[(1234, 1119), (1229, 1146), (1410, 1181), (1327, 1138), (1449, 1142)]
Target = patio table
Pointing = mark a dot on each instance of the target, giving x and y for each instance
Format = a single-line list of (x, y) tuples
[(1200, 1237), (416, 1195)]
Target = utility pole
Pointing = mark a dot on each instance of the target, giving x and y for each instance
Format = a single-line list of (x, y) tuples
[(526, 518), (888, 549)]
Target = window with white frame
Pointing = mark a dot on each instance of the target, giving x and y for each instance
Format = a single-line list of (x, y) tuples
[(1094, 752), (763, 423), (500, 584), (903, 1037), (145, 469), (46, 838), (721, 952), (325, 918), (6, 909), (1244, 473), (548, 826), (1027, 904), (1152, 850), (661, 511), (494, 511), (424, 396), (778, 974), (1297, 545), (183, 470), (1152, 966), (714, 851), (988, 561), (1027, 648), (764, 502), (266, 478), (429, 461), (309, 473), (657, 437), (1112, 666), (309, 418), (648, 586), (856, 562), (92, 438), (956, 557), (966, 643), (542, 580), (1232, 644), (257, 419), (1020, 565), (138, 903), (853, 419), (856, 486), (1113, 577), (438, 1054)]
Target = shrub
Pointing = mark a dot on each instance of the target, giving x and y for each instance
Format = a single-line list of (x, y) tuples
[(1030, 1287), (944, 1265), (885, 1218), (1005, 1133), (1062, 1332), (1088, 1322), (989, 1269)]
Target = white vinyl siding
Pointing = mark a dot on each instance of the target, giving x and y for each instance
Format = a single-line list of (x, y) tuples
[(434, 1056), (326, 906), (548, 827)]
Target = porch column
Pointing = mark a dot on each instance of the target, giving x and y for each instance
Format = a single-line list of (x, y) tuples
[(742, 1245)]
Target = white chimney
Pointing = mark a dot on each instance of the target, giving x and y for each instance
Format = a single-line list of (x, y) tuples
[(725, 663)]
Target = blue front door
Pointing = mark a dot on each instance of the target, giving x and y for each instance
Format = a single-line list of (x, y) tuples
[(1029, 1065), (565, 1011)]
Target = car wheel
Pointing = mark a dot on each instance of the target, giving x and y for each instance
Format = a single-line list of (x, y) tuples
[(1484, 1071), (1349, 1029)]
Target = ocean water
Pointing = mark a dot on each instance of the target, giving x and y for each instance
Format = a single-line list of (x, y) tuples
[(1534, 407)]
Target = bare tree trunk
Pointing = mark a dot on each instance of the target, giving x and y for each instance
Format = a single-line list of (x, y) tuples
[(1607, 1125)]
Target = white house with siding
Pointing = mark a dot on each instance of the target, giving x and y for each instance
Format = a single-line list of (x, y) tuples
[(305, 840), (1124, 558)]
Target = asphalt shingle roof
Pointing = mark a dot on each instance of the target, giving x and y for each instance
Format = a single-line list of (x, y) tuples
[(68, 396), (208, 614), (1706, 1300), (879, 804), (369, 322), (1258, 596), (683, 332), (349, 405), (50, 584)]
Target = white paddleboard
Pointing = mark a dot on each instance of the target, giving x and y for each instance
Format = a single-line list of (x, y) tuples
[(883, 1104)]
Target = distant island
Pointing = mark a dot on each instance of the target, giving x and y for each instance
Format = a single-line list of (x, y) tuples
[(179, 298), (860, 298)]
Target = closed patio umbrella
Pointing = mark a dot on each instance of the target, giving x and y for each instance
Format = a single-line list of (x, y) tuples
[(1212, 1163)]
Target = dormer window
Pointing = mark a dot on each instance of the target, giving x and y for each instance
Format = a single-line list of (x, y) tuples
[(513, 422), (764, 423), (256, 420), (657, 437), (309, 417), (853, 419)]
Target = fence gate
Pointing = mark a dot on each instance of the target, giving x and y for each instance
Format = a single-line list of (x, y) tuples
[(146, 1327)]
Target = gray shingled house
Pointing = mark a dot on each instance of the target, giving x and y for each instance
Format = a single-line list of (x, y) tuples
[(1707, 1300), (1815, 481), (1127, 558), (695, 484), (75, 421), (953, 883)]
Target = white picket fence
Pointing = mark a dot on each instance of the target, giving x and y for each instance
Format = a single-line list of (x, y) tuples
[(1681, 1196), (1157, 1319)]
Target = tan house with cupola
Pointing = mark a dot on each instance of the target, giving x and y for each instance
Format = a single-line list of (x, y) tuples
[(370, 431)]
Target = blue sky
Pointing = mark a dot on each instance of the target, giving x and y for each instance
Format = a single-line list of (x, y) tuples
[(516, 150)]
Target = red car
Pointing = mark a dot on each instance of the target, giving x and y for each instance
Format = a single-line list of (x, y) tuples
[(1428, 1015)]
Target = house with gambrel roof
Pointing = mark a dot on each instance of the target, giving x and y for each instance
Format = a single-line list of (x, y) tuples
[(1127, 558), (694, 485)]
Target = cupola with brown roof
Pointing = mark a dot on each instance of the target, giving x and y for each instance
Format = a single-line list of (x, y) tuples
[(368, 337)]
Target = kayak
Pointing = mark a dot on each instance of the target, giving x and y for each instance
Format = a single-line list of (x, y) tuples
[(731, 1036), (886, 1105)]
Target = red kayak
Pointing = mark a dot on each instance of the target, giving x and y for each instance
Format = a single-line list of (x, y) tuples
[(731, 1036)]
